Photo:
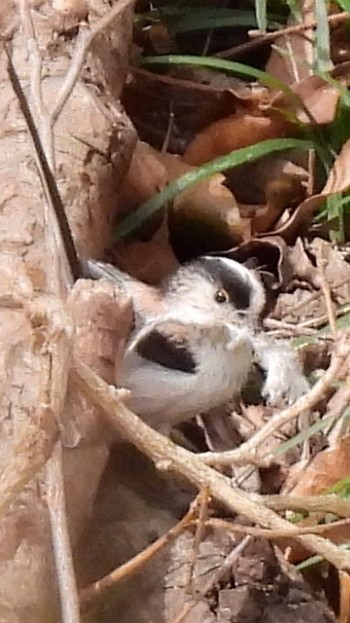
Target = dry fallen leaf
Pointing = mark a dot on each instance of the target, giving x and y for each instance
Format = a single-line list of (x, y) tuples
[(233, 132), (338, 181), (149, 261), (280, 193), (146, 176)]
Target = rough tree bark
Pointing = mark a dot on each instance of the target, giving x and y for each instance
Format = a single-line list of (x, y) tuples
[(89, 146)]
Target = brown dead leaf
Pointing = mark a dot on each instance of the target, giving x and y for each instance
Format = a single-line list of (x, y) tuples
[(270, 255), (318, 100), (325, 470), (146, 176), (233, 132), (295, 59), (197, 99), (205, 216), (303, 267), (149, 261), (338, 181), (280, 193), (337, 269)]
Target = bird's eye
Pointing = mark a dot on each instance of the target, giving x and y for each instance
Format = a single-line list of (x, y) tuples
[(221, 296)]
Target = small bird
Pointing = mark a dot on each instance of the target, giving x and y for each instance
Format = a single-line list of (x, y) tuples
[(195, 339)]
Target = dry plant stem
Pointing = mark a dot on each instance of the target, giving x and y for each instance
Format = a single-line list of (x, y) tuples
[(344, 597), (321, 265), (40, 113), (221, 524), (333, 20), (167, 456), (308, 503), (339, 425), (227, 564), (85, 37), (46, 119), (35, 58), (203, 498), (55, 498), (315, 295), (133, 565), (278, 327), (319, 322), (247, 452)]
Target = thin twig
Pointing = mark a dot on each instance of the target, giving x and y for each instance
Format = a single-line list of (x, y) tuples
[(315, 295), (55, 497), (85, 38), (203, 498), (333, 20), (306, 503), (222, 524), (321, 265), (247, 451), (35, 59), (167, 456), (135, 563), (337, 405)]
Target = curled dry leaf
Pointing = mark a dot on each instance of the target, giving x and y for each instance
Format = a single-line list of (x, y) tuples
[(197, 96), (280, 193), (338, 181), (317, 97), (336, 269), (271, 255), (205, 215), (318, 100), (233, 132), (146, 176), (326, 469), (149, 261)]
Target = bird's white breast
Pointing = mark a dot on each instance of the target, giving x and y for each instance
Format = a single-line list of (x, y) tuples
[(164, 397)]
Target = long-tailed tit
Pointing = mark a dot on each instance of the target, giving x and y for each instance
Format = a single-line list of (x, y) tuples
[(195, 340)]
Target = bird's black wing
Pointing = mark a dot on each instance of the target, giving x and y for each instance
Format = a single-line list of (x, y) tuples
[(167, 348)]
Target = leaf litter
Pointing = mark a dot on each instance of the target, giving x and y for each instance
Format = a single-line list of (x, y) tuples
[(239, 168), (262, 212)]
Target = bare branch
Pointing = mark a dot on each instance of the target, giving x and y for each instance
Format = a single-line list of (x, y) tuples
[(247, 452), (85, 37), (166, 455), (54, 493), (135, 563)]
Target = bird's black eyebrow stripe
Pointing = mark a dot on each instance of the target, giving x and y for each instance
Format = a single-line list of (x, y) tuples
[(238, 289), (167, 352)]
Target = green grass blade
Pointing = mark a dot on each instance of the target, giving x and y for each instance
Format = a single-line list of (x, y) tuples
[(261, 15), (188, 19), (218, 63), (233, 159), (322, 48), (344, 4), (230, 67), (295, 9)]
